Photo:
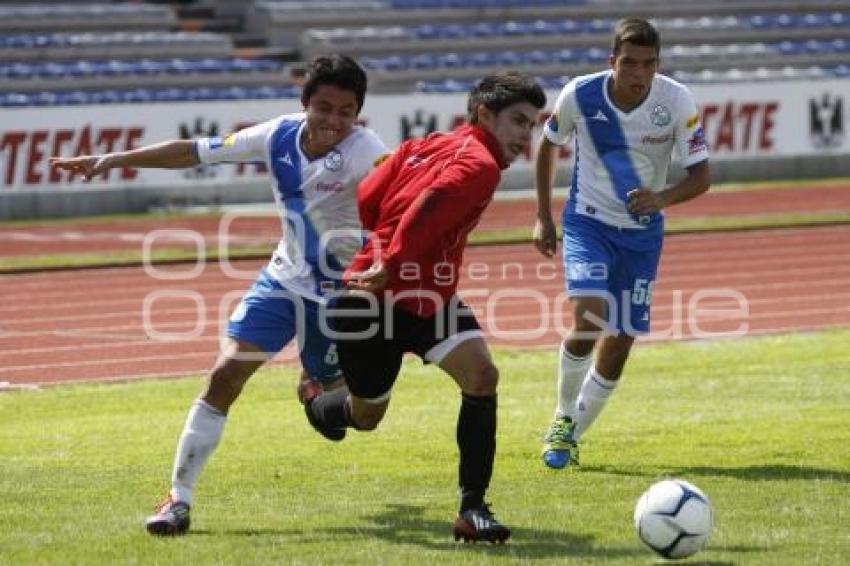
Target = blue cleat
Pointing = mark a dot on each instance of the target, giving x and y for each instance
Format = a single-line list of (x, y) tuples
[(559, 448)]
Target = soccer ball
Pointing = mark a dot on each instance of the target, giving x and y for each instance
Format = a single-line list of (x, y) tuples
[(673, 518)]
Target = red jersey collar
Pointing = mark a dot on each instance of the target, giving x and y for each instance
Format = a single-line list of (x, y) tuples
[(483, 135)]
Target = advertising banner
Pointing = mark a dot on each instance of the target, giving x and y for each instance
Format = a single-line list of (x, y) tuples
[(741, 121)]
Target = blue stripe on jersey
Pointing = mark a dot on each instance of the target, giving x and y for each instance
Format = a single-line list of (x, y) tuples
[(573, 198), (608, 138), (287, 168), (286, 165)]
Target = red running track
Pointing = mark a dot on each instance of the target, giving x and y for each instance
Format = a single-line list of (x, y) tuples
[(119, 324), (263, 228)]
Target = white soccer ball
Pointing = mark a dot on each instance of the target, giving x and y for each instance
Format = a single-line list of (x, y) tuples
[(673, 518)]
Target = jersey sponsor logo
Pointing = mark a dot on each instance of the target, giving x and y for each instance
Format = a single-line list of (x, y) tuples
[(229, 141), (655, 140), (333, 160), (660, 116), (216, 143), (287, 159), (600, 116), (333, 187), (697, 143), (692, 121)]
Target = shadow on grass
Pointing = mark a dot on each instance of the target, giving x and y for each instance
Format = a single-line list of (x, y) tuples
[(778, 472), (406, 525)]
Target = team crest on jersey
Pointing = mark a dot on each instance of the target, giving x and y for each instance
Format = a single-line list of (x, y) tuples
[(660, 115), (333, 160)]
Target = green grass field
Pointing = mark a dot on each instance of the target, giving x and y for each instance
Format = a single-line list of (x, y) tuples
[(759, 424)]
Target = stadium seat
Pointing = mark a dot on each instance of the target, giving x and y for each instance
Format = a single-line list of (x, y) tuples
[(450, 61), (422, 61), (484, 29)]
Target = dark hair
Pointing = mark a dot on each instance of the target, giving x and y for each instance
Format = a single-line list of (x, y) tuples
[(498, 91), (636, 31), (338, 70)]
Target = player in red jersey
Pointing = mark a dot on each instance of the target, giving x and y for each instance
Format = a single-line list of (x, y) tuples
[(419, 206)]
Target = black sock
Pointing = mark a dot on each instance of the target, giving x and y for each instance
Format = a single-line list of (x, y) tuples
[(331, 408), (476, 439)]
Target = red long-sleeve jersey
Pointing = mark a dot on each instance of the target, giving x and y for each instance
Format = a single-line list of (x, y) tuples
[(419, 207)]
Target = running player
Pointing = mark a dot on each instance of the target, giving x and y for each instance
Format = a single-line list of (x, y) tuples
[(420, 205), (627, 120), (316, 159)]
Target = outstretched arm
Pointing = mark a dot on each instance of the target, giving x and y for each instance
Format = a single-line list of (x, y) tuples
[(175, 154)]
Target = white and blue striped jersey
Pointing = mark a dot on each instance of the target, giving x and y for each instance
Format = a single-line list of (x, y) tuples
[(618, 151), (317, 199)]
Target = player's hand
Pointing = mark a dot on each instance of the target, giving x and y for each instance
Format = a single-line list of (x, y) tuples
[(544, 237), (644, 201), (87, 165), (373, 280)]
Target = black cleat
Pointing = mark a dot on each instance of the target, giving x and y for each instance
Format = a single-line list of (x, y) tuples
[(479, 524), (334, 434), (172, 518)]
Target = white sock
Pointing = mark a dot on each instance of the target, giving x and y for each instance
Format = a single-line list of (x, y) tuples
[(199, 438), (591, 399), (571, 372)]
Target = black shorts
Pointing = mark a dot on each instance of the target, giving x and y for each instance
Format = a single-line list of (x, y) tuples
[(372, 339)]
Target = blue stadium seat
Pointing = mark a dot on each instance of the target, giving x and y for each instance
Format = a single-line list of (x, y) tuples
[(426, 31), (543, 28), (72, 98), (453, 31), (784, 21), (169, 95), (839, 19), (839, 45), (599, 25), (137, 95), (509, 58), (841, 71), (450, 61), (482, 59), (790, 48), (423, 61), (484, 29), (565, 55), (567, 27), (537, 57), (759, 21), (812, 20), (815, 47), (596, 54), (511, 28), (395, 63), (105, 97)]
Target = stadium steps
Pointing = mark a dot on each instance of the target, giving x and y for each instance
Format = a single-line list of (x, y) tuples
[(399, 40)]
